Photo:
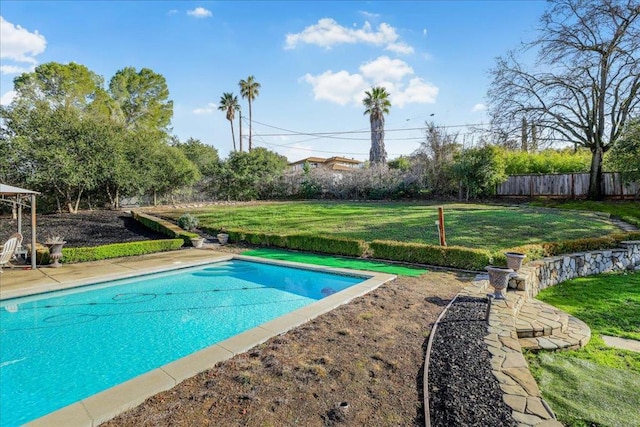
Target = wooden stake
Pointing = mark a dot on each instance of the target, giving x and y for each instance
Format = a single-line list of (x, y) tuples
[(443, 240)]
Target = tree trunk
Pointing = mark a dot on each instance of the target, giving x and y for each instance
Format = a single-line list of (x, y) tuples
[(233, 136), (377, 153), (250, 126), (525, 131), (595, 175)]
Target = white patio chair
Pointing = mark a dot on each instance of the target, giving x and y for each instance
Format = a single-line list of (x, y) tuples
[(9, 248)]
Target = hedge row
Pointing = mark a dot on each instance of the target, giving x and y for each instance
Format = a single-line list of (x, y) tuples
[(541, 250), (302, 242), (445, 256), (165, 227), (115, 250)]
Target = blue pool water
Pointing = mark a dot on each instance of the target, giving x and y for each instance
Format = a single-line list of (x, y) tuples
[(61, 347)]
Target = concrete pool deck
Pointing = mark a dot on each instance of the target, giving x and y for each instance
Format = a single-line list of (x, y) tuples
[(105, 405)]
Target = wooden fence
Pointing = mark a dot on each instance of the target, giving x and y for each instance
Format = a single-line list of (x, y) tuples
[(571, 186)]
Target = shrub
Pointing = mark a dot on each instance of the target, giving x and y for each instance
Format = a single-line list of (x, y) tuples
[(329, 245), (165, 227), (116, 250), (303, 242), (541, 250), (188, 222), (445, 256)]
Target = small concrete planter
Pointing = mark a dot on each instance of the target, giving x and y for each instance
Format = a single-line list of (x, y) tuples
[(499, 279), (223, 238), (197, 242), (514, 260), (55, 252)]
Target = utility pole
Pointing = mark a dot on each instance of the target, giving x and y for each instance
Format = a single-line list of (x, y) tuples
[(240, 115)]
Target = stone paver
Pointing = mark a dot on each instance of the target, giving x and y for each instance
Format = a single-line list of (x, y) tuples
[(623, 343)]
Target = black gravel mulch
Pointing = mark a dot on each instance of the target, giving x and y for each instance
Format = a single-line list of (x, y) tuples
[(462, 389), (86, 228)]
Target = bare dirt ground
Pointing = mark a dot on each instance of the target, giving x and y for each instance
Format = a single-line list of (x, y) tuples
[(359, 365), (86, 228)]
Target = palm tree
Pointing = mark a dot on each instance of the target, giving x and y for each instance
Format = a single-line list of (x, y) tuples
[(249, 89), (229, 103), (377, 103)]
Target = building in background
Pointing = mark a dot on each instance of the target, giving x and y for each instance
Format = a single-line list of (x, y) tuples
[(332, 163)]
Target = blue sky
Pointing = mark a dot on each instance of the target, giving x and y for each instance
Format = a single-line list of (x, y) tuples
[(313, 59)]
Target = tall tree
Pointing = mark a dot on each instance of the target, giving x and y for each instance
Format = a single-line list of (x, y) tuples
[(585, 85), (229, 104), (377, 104), (143, 97), (625, 155), (71, 86), (249, 89)]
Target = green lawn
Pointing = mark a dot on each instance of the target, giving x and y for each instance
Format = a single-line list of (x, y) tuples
[(628, 211), (472, 225), (597, 385)]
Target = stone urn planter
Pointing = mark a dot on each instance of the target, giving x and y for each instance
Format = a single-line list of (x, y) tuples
[(55, 251), (223, 238), (514, 260), (197, 242), (499, 279)]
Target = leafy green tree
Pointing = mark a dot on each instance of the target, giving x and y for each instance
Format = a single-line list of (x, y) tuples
[(62, 151), (170, 170), (585, 84), (229, 104), (204, 156), (249, 89), (143, 98), (478, 171), (58, 86), (547, 161), (624, 157), (377, 105), (401, 163), (251, 175)]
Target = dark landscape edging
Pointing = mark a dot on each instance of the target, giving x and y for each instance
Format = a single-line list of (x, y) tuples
[(508, 365)]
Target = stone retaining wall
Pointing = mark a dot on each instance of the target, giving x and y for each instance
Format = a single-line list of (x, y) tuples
[(540, 274)]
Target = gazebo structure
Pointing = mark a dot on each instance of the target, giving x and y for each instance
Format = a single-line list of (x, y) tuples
[(20, 197)]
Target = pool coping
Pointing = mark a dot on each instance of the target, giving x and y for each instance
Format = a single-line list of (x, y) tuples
[(111, 402)]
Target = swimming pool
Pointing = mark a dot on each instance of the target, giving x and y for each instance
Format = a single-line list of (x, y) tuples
[(61, 347)]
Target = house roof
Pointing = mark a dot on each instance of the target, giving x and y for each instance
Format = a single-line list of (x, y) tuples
[(323, 160), (309, 159), (342, 159)]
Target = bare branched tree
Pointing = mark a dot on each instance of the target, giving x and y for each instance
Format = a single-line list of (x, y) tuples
[(585, 84)]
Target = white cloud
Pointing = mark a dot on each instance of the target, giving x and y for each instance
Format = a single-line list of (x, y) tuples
[(416, 92), (343, 87), (199, 12), (369, 15), (210, 108), (384, 67), (478, 107), (6, 98), (327, 33), (18, 44), (340, 87), (172, 12), (401, 48), (14, 69)]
